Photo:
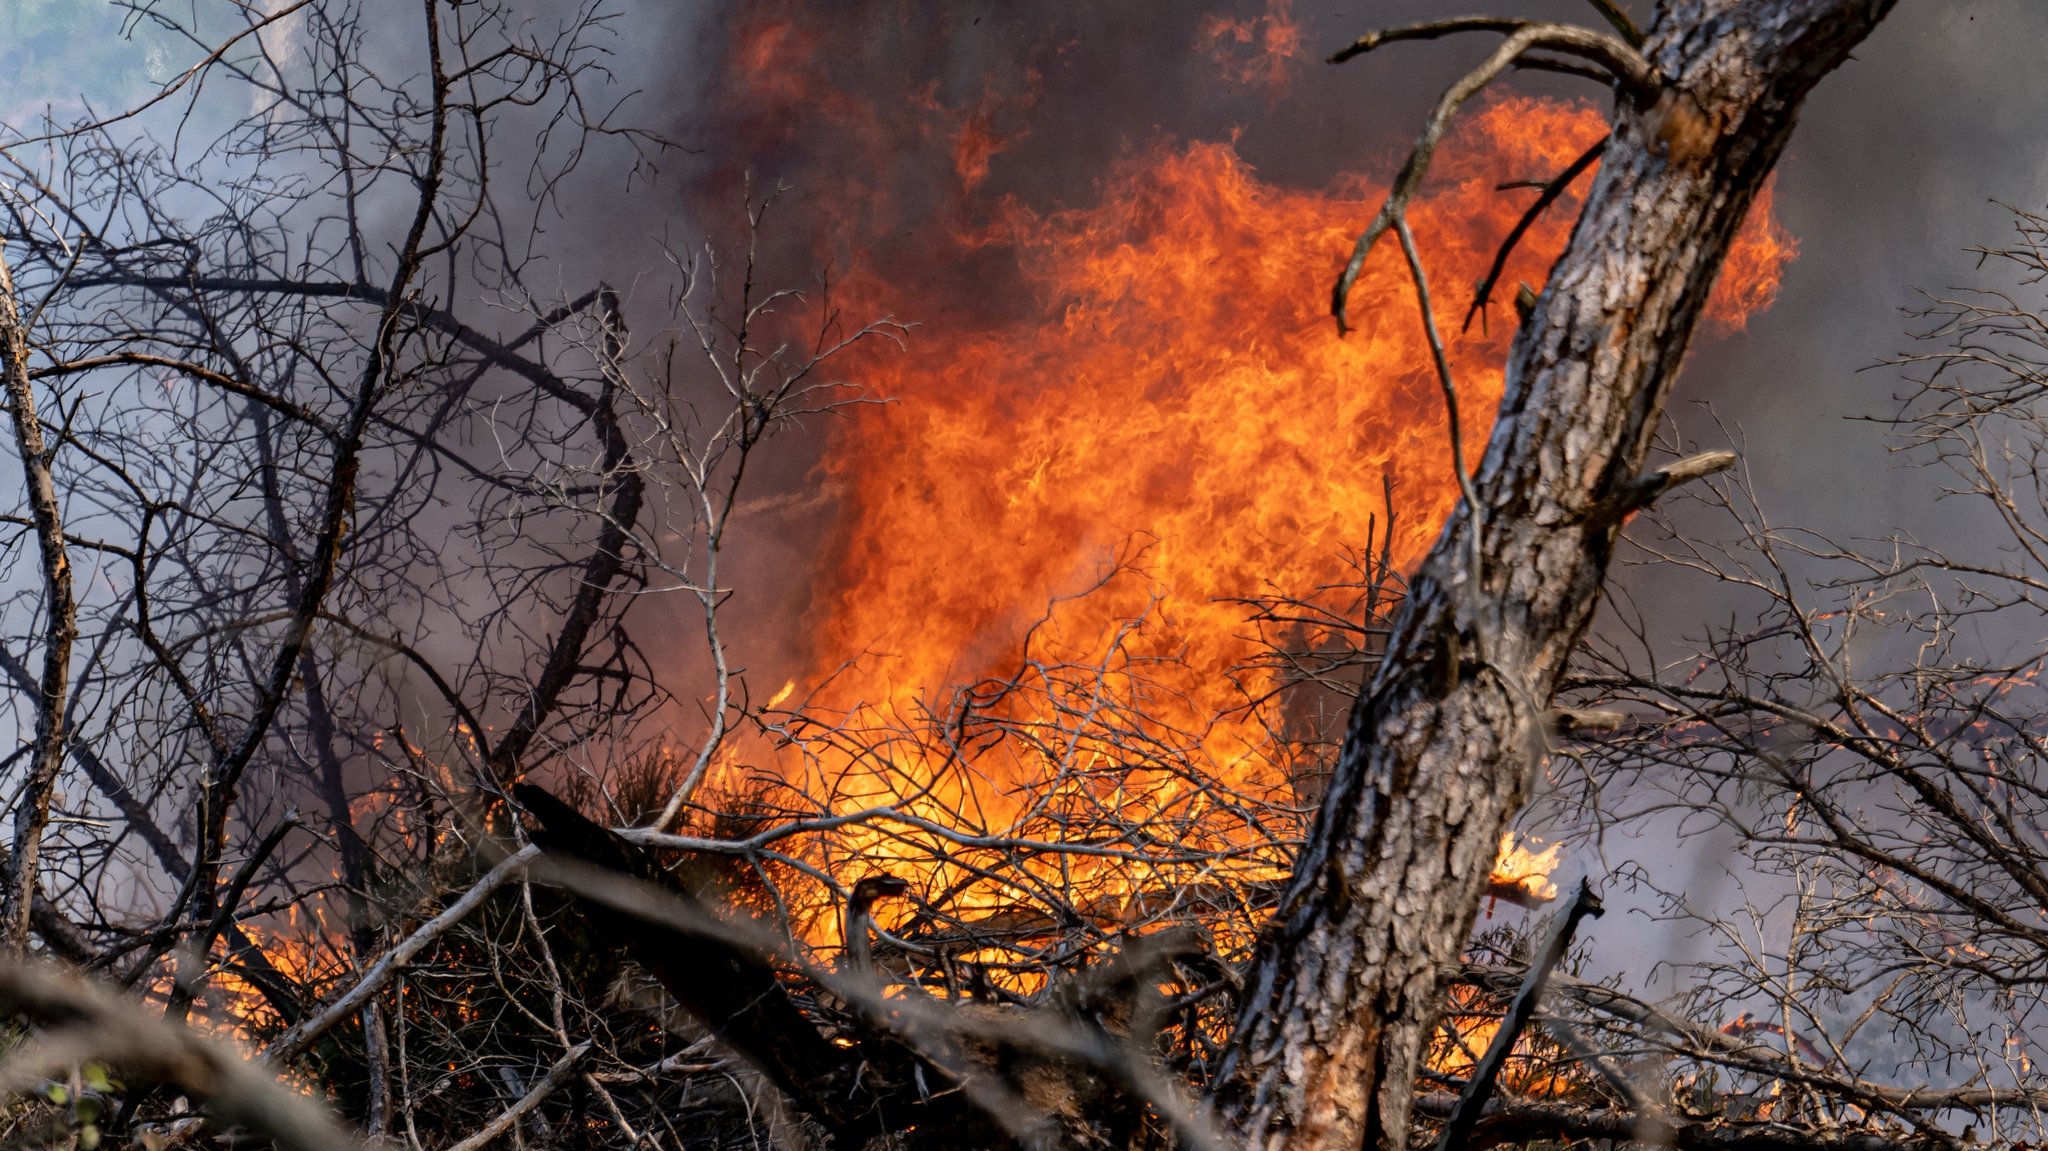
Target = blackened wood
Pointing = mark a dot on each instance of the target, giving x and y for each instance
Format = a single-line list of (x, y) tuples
[(875, 1087), (1479, 1089)]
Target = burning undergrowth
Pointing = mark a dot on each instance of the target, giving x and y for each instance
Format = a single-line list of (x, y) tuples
[(1086, 603), (1098, 585), (1103, 577)]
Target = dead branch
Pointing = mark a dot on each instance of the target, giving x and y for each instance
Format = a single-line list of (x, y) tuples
[(1551, 191), (83, 1022), (564, 1069), (1647, 488), (1630, 70), (1478, 1091), (295, 1040), (60, 628)]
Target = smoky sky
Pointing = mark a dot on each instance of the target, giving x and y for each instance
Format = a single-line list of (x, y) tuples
[(1896, 169), (1892, 174)]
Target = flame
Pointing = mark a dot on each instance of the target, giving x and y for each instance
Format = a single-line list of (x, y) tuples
[(310, 955), (1522, 876), (1469, 1028), (1256, 51), (981, 133), (1145, 417), (1178, 384)]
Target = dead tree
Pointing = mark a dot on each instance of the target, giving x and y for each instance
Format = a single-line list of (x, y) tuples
[(1345, 989)]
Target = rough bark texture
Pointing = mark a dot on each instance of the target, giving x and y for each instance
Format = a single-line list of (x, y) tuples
[(1345, 990)]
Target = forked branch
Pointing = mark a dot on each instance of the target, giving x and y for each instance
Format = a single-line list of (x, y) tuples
[(1551, 191), (1630, 71)]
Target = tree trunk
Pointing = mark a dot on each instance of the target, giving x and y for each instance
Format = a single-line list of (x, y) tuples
[(1344, 990)]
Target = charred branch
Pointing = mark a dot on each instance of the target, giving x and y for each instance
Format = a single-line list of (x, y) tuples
[(1567, 722), (1617, 58), (859, 1091), (1478, 1092), (1551, 191)]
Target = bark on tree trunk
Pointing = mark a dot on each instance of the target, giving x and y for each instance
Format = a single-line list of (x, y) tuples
[(1344, 990)]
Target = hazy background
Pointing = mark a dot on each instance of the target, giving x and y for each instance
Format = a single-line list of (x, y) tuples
[(1892, 176)]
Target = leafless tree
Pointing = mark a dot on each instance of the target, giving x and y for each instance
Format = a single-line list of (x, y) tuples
[(360, 507)]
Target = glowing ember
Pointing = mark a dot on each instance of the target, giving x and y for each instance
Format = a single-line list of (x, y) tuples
[(1521, 876)]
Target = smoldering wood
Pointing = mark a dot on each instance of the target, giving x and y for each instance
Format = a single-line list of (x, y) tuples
[(1076, 1071), (563, 1069), (1478, 1092)]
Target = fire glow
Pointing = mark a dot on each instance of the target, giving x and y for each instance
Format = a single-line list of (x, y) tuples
[(1180, 384), (1065, 506)]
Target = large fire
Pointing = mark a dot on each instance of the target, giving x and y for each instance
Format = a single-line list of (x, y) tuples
[(1031, 628), (1169, 425), (1177, 384), (1029, 619)]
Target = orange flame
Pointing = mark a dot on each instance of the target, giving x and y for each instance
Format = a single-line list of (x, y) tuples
[(1259, 51), (1468, 1030), (1170, 422), (1179, 384), (1521, 876)]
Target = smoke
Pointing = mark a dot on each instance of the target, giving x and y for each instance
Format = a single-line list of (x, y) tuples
[(1897, 170), (897, 125), (907, 132)]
